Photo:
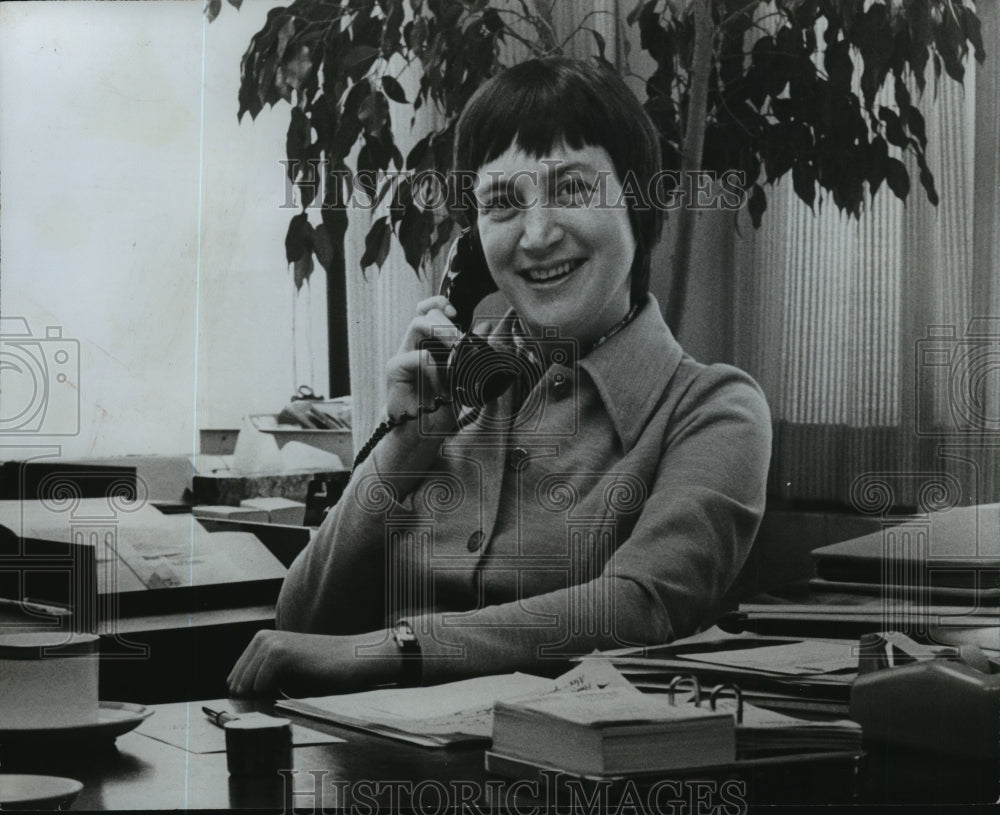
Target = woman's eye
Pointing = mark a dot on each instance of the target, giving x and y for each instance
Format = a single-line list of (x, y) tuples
[(498, 207), (572, 192)]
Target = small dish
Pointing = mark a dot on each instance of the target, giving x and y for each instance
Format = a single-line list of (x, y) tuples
[(114, 719), (37, 791)]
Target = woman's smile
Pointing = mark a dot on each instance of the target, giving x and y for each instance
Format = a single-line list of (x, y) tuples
[(553, 273)]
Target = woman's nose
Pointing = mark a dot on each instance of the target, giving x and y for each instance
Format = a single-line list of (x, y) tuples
[(541, 228)]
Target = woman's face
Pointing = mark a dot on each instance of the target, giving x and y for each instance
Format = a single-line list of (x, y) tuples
[(557, 238)]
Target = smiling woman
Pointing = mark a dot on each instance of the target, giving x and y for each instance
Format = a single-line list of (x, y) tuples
[(609, 501)]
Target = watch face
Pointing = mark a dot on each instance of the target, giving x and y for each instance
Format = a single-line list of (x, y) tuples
[(404, 636)]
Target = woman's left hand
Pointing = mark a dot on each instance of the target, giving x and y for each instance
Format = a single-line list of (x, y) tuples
[(313, 664)]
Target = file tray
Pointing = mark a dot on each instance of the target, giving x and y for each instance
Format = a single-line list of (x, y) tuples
[(826, 777)]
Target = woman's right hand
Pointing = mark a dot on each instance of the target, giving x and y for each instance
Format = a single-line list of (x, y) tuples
[(414, 377)]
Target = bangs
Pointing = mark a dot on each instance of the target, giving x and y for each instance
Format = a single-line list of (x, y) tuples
[(542, 103), (537, 106)]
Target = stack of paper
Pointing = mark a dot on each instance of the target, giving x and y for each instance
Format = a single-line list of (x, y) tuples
[(937, 573), (612, 732), (784, 672), (453, 713)]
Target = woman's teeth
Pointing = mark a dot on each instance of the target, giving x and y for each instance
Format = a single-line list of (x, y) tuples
[(539, 275)]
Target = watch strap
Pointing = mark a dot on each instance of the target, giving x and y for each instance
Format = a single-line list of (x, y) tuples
[(409, 650)]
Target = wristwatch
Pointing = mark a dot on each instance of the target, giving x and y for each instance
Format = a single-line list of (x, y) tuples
[(409, 650)]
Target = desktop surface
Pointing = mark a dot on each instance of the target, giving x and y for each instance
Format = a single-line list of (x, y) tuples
[(371, 773)]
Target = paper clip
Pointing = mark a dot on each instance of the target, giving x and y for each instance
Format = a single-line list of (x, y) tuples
[(718, 690), (675, 684)]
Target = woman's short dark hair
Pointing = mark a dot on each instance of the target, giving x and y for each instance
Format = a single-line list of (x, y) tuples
[(541, 102)]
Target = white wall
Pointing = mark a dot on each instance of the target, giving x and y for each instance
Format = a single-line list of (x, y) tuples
[(138, 216)]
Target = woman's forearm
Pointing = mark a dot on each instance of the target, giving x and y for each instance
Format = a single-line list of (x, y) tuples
[(337, 583)]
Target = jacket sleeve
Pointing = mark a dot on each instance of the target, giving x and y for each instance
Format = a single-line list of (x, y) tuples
[(686, 548), (336, 584)]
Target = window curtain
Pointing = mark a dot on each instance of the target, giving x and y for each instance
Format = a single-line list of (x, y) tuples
[(877, 341)]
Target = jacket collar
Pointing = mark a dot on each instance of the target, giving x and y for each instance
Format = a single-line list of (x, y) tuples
[(631, 370)]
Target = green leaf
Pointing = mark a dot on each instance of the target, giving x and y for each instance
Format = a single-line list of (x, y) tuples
[(414, 236), (374, 113), (804, 182), (492, 21), (393, 89), (297, 67), (297, 140), (236, 4), (212, 9), (897, 178), (949, 41), (418, 38), (267, 89), (390, 27), (284, 35), (402, 199), (377, 243), (893, 129), (599, 39), (367, 171), (637, 9), (349, 126), (973, 31), (415, 159), (927, 180), (303, 268), (298, 238), (322, 118), (902, 94), (358, 54), (877, 160), (359, 59), (838, 64), (248, 97)]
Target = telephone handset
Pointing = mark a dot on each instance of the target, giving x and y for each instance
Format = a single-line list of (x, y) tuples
[(477, 372)]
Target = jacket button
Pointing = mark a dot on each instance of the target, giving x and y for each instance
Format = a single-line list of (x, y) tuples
[(517, 458), (475, 541)]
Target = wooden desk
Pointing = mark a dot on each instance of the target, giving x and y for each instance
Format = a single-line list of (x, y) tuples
[(142, 773)]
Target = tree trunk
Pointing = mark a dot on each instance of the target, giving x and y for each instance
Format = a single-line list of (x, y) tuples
[(694, 139)]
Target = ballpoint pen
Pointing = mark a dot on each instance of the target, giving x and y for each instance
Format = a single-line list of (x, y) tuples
[(219, 717), (35, 607)]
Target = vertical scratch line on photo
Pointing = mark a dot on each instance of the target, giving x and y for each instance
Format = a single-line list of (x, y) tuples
[(197, 322)]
